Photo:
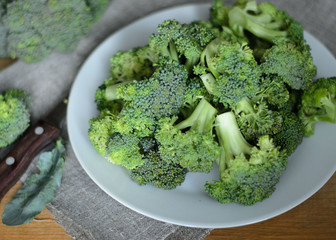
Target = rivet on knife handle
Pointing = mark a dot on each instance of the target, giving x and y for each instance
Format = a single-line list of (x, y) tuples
[(16, 162)]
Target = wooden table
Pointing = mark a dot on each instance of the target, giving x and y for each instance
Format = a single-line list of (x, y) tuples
[(314, 219)]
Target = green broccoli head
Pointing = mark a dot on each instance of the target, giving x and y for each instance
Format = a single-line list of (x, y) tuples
[(257, 119), (160, 173), (219, 14), (291, 132), (117, 147), (233, 72), (124, 150), (292, 63), (318, 103), (37, 28), (274, 92), (14, 115), (160, 95), (181, 42), (190, 142), (248, 174), (133, 64)]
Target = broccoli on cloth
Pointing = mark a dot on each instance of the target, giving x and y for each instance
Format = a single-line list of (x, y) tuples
[(34, 29), (14, 115)]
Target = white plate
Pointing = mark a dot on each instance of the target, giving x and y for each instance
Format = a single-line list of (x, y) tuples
[(308, 170)]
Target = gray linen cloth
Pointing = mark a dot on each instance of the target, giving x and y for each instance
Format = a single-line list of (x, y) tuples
[(81, 207)]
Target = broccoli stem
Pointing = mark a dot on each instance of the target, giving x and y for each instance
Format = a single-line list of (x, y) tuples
[(202, 118), (330, 107), (230, 139), (172, 52), (111, 92), (244, 105), (208, 81), (238, 17), (209, 52)]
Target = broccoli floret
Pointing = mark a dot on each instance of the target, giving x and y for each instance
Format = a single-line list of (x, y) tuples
[(248, 174), (133, 64), (219, 14), (263, 20), (124, 149), (291, 133), (293, 64), (15, 107), (257, 119), (36, 28), (318, 103), (233, 73), (160, 173), (181, 42), (190, 142), (119, 148), (274, 92)]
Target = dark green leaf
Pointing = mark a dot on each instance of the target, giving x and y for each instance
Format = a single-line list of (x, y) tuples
[(38, 190)]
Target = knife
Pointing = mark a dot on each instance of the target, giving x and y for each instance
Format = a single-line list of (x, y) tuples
[(33, 141)]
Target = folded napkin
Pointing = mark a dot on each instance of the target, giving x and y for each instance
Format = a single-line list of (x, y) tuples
[(81, 207)]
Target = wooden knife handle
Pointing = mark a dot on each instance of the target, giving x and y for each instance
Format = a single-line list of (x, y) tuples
[(16, 162)]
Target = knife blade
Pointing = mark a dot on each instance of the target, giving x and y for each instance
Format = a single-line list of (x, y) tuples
[(32, 142)]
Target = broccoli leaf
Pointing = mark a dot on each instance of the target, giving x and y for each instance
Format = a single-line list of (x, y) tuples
[(38, 190)]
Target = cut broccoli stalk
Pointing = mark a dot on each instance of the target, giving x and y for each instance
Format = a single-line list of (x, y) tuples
[(230, 138), (191, 142), (261, 25), (248, 174), (201, 120)]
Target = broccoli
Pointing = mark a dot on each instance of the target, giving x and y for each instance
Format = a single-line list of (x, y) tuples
[(264, 21), (291, 133), (145, 101), (293, 64), (248, 173), (236, 90), (257, 119), (274, 92), (133, 64), (15, 107), (219, 14), (230, 71), (34, 29), (160, 173), (181, 42), (189, 142), (118, 148), (318, 103)]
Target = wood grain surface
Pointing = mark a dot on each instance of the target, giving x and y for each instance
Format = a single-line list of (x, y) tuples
[(314, 219)]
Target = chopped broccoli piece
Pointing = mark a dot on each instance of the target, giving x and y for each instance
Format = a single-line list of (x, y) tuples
[(233, 71), (291, 133), (134, 64), (181, 42), (257, 119), (293, 64), (219, 14), (160, 173), (318, 103), (118, 148), (263, 20), (14, 115), (124, 149), (190, 142), (273, 91), (248, 174), (37, 28)]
